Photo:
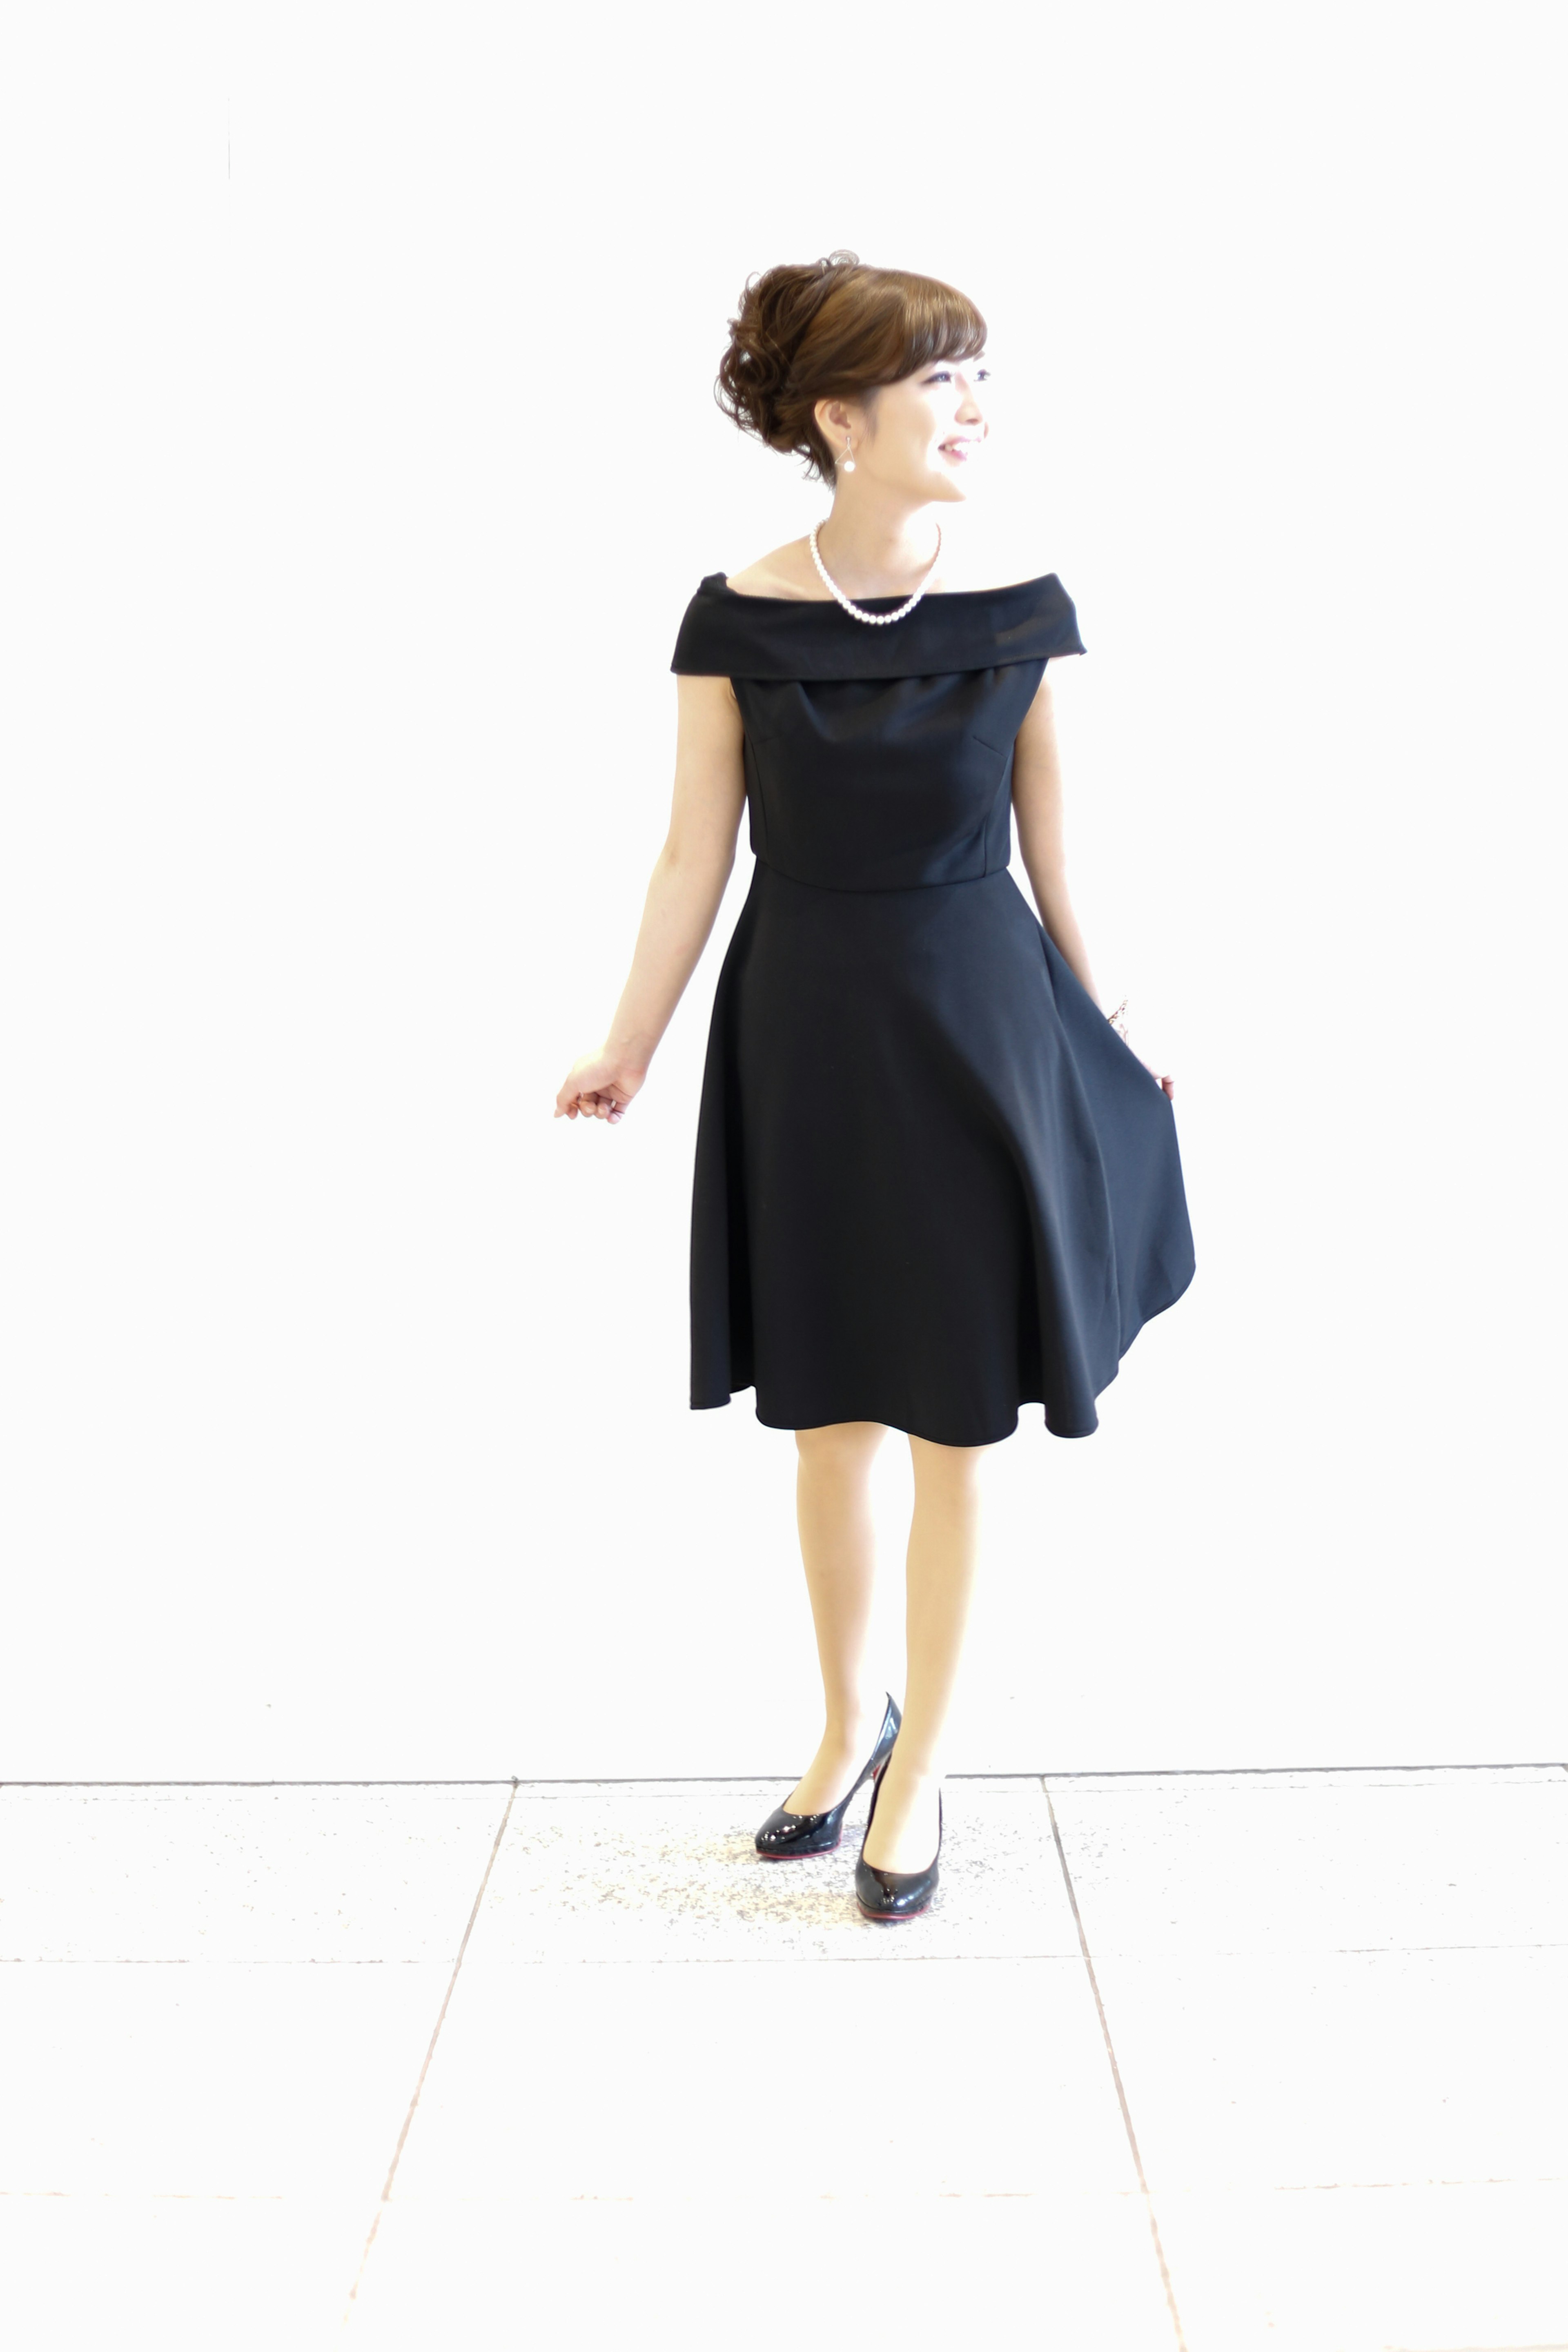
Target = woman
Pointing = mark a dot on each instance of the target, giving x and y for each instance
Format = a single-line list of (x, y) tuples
[(933, 1181)]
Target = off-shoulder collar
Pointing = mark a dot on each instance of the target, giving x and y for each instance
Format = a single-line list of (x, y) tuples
[(727, 634)]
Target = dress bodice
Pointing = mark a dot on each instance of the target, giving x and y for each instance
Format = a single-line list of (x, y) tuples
[(881, 759)]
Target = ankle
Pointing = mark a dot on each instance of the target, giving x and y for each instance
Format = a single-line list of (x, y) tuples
[(848, 1737), (854, 1720)]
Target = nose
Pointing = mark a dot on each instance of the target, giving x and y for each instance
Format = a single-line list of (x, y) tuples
[(969, 409)]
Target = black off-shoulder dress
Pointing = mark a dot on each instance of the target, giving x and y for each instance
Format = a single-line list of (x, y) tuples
[(932, 1182)]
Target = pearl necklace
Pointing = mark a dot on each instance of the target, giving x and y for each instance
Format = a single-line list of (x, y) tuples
[(876, 620)]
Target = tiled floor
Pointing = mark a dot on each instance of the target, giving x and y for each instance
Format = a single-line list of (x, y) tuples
[(1221, 2061)]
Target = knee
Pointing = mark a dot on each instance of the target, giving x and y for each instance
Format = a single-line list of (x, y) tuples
[(952, 1466), (839, 1444)]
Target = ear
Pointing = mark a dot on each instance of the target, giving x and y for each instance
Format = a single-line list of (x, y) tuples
[(835, 418)]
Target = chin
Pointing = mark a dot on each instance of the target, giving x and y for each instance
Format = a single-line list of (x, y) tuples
[(947, 489)]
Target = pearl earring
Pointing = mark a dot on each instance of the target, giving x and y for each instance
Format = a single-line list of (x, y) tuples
[(847, 463)]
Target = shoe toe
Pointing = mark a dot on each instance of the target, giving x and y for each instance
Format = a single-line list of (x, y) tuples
[(878, 1900), (785, 1833)]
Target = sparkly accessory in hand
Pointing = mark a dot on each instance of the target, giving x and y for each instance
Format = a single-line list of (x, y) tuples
[(876, 620), (1118, 1020)]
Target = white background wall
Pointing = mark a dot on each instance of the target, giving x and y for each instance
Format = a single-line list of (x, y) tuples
[(362, 458)]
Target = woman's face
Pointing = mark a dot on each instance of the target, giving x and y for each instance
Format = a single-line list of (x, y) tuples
[(917, 437)]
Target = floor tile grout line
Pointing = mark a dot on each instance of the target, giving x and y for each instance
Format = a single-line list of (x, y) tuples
[(1115, 2073), (656, 1779), (429, 2054), (496, 1781)]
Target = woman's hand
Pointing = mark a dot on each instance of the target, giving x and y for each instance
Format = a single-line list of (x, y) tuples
[(1168, 1085), (683, 894), (599, 1086)]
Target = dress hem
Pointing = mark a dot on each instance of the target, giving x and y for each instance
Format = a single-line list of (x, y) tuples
[(883, 1422), (715, 1404)]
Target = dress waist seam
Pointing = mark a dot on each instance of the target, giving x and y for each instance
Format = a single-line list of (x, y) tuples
[(878, 889)]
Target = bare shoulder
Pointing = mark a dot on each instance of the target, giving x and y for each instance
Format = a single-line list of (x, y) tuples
[(788, 571), (983, 568)]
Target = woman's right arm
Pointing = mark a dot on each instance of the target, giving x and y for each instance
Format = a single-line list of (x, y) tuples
[(683, 897)]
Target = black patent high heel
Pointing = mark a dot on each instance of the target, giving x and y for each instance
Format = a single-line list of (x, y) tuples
[(895, 1894), (784, 1835)]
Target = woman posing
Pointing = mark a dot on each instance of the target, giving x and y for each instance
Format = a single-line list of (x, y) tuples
[(932, 1182)]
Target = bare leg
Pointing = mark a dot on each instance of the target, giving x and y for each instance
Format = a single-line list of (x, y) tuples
[(833, 1508), (943, 1547)]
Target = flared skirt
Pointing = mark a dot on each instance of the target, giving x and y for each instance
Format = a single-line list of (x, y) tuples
[(932, 1184)]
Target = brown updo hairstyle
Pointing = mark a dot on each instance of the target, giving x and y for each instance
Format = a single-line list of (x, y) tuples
[(833, 329)]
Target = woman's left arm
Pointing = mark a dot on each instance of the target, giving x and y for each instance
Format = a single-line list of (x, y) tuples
[(1037, 803)]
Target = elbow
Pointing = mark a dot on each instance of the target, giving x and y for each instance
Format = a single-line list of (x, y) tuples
[(698, 864), (1048, 875)]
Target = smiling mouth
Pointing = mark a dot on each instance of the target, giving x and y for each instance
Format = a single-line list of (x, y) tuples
[(958, 450)]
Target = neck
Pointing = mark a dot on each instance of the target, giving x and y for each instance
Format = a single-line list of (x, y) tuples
[(876, 547)]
